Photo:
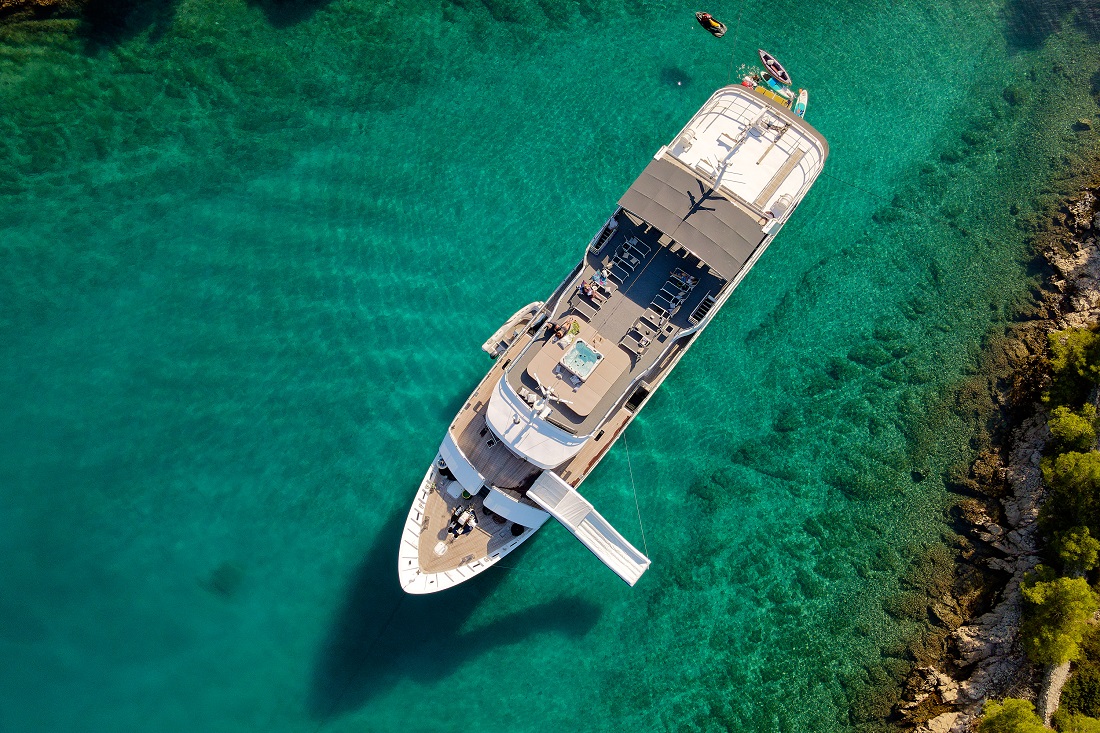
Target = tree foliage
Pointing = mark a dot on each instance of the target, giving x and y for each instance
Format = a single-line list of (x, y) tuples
[(1082, 692), (1011, 716), (1077, 549), (1075, 365), (1072, 431), (1074, 479), (1056, 615), (1071, 723)]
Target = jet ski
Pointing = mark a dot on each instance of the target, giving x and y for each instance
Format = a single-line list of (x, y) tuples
[(715, 27)]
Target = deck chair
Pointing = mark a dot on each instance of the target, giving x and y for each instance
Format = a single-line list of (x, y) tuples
[(650, 322), (671, 293), (633, 251), (631, 345), (657, 314), (619, 274), (584, 310), (627, 257), (639, 246)]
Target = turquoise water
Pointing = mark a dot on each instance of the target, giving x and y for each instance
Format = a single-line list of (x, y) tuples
[(250, 251)]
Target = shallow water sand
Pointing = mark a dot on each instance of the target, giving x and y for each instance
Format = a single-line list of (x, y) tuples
[(250, 253)]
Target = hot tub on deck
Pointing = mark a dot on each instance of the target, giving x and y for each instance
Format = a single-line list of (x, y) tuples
[(581, 359), (588, 374)]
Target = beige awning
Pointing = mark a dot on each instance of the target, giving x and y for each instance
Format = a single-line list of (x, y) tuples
[(689, 210)]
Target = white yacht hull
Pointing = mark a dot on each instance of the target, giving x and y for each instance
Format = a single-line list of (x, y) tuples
[(649, 282), (412, 577)]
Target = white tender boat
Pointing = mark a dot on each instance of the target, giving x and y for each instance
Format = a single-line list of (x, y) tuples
[(499, 342), (564, 388)]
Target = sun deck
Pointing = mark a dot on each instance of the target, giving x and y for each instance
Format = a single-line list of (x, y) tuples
[(440, 551), (752, 150), (630, 321)]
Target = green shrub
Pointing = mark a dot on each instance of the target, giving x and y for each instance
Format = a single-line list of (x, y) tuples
[(1090, 647), (1074, 479), (1077, 549), (1069, 723), (1082, 693), (1011, 716), (1070, 431), (1056, 615), (1075, 365)]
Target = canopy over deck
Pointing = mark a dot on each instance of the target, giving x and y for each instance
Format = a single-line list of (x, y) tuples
[(695, 215)]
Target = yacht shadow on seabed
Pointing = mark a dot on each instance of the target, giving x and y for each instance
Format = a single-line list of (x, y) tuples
[(381, 635)]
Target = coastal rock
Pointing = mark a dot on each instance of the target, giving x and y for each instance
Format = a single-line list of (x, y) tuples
[(1017, 542), (944, 723), (984, 659), (1051, 692), (989, 643), (1082, 208), (1006, 565), (947, 613)]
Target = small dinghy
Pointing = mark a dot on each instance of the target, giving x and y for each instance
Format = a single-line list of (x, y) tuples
[(800, 104), (715, 27), (499, 342), (771, 63)]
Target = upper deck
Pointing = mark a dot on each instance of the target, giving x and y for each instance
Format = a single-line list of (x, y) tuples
[(687, 230), (752, 150), (689, 227), (645, 304)]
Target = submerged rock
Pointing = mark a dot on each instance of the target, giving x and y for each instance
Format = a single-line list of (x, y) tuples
[(39, 8), (225, 580), (1004, 491)]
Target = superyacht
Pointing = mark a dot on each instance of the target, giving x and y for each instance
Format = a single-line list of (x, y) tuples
[(571, 372)]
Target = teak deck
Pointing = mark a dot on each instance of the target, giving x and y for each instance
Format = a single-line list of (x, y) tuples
[(487, 537)]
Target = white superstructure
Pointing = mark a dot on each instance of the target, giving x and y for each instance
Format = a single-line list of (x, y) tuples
[(562, 391)]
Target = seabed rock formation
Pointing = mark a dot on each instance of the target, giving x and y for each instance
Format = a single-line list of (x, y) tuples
[(997, 520), (40, 8)]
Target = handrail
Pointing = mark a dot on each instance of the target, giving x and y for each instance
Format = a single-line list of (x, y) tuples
[(551, 306)]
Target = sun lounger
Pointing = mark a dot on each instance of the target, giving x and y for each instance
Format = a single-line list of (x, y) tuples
[(627, 258), (638, 245), (619, 273), (650, 322), (584, 310), (671, 293)]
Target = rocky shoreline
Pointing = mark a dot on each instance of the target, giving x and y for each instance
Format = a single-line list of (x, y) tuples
[(40, 8), (1002, 490)]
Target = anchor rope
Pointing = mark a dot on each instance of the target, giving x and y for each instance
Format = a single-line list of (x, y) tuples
[(636, 506), (857, 187), (359, 667), (736, 31)]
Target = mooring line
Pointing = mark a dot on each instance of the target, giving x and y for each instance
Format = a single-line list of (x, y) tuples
[(855, 186), (736, 31), (636, 507), (359, 668)]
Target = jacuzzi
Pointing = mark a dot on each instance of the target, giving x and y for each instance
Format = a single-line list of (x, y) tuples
[(581, 359)]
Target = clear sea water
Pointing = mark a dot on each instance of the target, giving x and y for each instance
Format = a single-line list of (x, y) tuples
[(248, 254)]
